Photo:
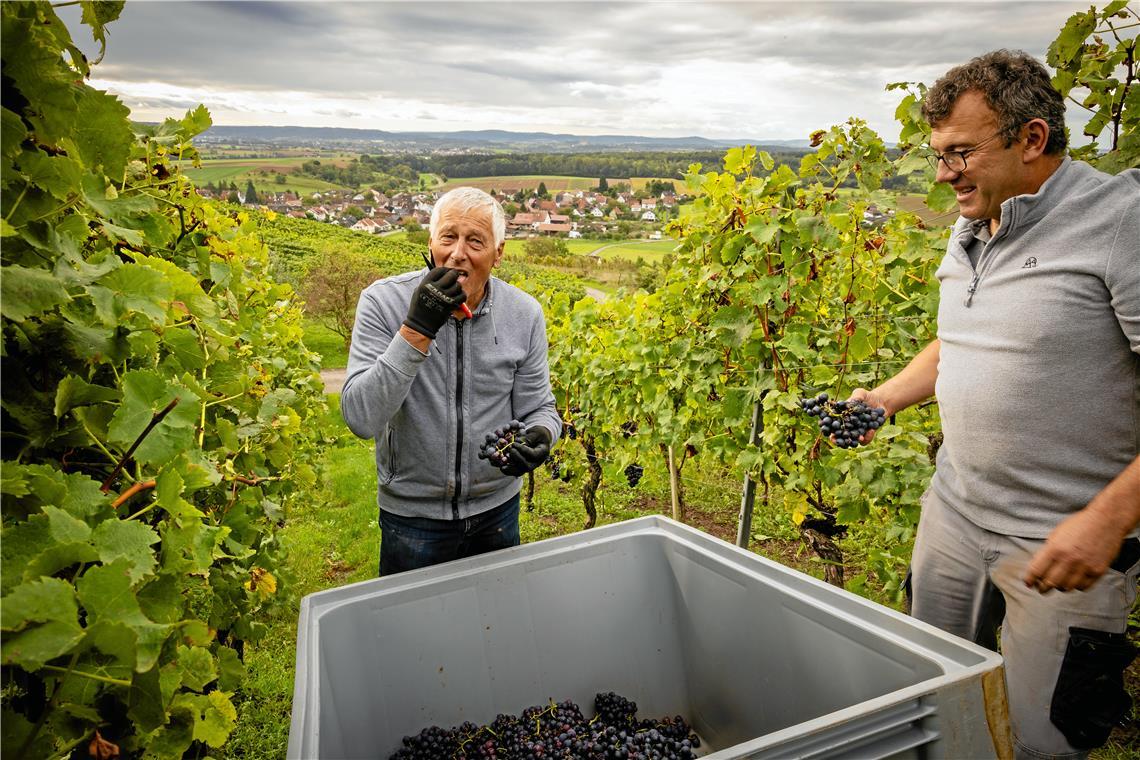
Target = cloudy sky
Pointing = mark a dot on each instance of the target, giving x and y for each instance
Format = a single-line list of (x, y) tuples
[(749, 70)]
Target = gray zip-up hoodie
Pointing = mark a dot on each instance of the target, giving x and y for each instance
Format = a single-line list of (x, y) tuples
[(1039, 366), (430, 413)]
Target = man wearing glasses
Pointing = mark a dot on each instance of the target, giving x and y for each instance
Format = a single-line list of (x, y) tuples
[(1031, 520)]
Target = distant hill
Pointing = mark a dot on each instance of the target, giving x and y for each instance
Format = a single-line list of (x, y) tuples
[(488, 139)]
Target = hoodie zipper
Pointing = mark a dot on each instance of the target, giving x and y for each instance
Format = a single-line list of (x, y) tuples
[(458, 418), (986, 261)]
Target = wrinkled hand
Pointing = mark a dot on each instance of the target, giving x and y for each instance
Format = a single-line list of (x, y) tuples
[(1077, 553), (437, 295), (872, 400), (524, 457)]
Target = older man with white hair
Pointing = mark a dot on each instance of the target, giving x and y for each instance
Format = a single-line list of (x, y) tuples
[(439, 360)]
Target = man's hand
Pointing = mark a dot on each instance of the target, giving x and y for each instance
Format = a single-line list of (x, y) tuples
[(524, 457), (437, 295), (1076, 554), (871, 399)]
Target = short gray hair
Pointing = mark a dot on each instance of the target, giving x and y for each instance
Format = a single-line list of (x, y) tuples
[(1016, 87), (465, 199)]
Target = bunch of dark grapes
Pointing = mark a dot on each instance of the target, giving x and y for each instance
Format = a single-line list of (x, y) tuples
[(558, 469), (615, 709), (633, 474), (846, 420), (496, 444), (559, 731)]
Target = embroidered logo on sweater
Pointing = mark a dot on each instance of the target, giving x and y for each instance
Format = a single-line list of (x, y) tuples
[(1030, 263)]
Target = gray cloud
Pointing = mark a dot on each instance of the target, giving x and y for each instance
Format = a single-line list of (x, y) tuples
[(603, 56)]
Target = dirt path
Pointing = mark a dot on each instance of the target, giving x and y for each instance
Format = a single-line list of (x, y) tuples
[(334, 380)]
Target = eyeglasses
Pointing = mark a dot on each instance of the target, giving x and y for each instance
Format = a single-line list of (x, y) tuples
[(956, 159)]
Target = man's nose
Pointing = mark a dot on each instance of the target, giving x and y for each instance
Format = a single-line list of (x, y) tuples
[(944, 173)]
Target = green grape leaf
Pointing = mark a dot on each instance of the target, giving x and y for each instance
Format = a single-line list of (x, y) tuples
[(231, 670), (129, 540), (31, 648), (12, 133), (28, 293), (196, 665), (74, 391), (131, 288), (176, 736), (98, 14), (59, 175), (145, 702), (941, 197), (64, 528), (39, 601), (105, 200), (96, 344), (145, 393), (105, 593), (75, 493), (72, 268), (216, 720), (119, 234), (184, 347), (102, 131)]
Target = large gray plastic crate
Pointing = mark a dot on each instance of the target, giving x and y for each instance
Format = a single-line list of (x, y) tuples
[(764, 661)]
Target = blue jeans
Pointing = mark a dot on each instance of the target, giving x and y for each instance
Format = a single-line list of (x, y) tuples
[(408, 543)]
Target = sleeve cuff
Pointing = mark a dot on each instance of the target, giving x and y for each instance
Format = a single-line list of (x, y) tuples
[(403, 357)]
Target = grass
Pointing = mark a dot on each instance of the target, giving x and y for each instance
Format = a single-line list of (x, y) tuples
[(327, 542), (241, 170), (327, 343), (630, 250)]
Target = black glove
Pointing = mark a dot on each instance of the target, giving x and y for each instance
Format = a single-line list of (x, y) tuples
[(524, 457), (437, 295)]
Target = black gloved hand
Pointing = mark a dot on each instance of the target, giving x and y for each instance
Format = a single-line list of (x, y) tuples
[(437, 295), (524, 457)]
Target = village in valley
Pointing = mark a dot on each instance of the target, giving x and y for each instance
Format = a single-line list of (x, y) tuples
[(617, 212)]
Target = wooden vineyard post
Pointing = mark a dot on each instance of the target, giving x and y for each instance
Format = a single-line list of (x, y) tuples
[(747, 502), (674, 487)]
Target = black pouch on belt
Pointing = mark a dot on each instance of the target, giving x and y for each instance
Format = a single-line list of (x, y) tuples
[(1090, 699)]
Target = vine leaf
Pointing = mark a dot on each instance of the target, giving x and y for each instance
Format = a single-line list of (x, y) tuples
[(29, 292), (35, 646), (40, 601), (119, 626), (196, 665), (129, 540), (145, 394)]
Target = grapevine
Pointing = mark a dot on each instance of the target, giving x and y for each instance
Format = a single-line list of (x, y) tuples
[(157, 418)]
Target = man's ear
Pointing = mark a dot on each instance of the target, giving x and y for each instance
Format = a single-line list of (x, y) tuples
[(499, 253), (1036, 136)]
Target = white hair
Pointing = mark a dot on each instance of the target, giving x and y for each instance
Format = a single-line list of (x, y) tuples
[(465, 199)]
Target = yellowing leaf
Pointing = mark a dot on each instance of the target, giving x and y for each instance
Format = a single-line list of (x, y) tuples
[(262, 581)]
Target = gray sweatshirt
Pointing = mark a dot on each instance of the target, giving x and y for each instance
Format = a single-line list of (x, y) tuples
[(1039, 368), (429, 414)]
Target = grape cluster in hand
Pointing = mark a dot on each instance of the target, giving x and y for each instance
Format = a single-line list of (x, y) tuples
[(846, 420), (496, 444), (559, 730), (633, 474)]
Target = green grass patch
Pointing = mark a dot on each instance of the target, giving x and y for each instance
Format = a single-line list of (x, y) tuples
[(651, 251), (329, 540), (327, 343)]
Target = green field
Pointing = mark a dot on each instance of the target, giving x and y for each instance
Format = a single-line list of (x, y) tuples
[(262, 171), (629, 250), (553, 183)]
